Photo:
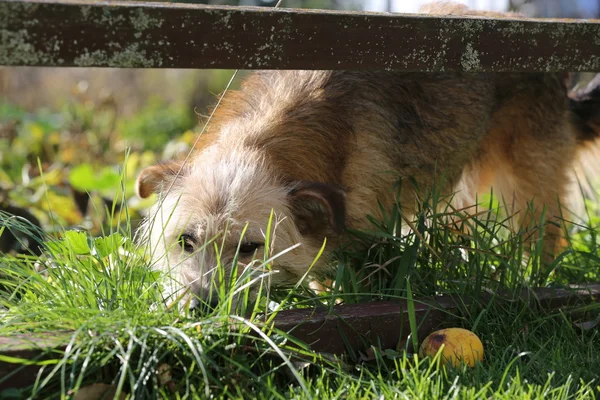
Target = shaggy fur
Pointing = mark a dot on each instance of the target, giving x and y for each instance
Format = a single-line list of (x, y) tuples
[(322, 148)]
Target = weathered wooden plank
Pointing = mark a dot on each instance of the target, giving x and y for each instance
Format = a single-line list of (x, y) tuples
[(35, 348), (346, 328), (386, 323), (354, 327), (127, 34)]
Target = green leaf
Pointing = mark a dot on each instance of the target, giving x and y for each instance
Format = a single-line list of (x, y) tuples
[(108, 245), (412, 317), (77, 241), (83, 178), (107, 179), (391, 354)]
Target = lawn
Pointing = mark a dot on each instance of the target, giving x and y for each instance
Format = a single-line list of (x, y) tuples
[(93, 282)]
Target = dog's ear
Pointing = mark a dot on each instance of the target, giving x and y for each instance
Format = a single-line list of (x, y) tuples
[(156, 178), (584, 104), (318, 208)]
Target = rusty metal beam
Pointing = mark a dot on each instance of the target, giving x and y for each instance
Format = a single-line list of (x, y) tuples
[(344, 329), (128, 34)]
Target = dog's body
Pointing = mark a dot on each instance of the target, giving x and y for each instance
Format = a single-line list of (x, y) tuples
[(322, 149)]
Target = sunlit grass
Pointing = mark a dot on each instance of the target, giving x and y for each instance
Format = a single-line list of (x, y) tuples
[(123, 332)]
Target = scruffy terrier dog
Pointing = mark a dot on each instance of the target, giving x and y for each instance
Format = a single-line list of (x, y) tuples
[(322, 149)]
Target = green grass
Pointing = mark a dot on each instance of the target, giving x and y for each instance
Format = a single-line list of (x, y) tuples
[(102, 289)]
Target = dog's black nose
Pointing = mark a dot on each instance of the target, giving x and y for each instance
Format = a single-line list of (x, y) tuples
[(207, 305), (213, 303), (204, 306)]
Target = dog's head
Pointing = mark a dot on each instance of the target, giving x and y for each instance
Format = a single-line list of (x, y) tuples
[(216, 209)]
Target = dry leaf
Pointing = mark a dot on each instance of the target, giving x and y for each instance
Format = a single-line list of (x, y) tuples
[(587, 325), (98, 391), (164, 376)]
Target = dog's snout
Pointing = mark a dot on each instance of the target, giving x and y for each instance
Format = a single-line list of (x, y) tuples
[(202, 298), (191, 278), (205, 305), (213, 302)]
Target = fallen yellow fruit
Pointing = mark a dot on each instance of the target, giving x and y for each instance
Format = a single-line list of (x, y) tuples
[(460, 346)]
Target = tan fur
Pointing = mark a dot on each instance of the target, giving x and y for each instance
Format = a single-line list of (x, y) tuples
[(451, 8), (323, 148)]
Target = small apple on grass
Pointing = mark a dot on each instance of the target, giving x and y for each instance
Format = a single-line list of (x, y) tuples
[(459, 346)]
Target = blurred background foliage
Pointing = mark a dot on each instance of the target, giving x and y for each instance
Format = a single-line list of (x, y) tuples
[(68, 135)]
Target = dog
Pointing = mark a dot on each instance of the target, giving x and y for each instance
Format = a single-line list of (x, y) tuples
[(321, 150)]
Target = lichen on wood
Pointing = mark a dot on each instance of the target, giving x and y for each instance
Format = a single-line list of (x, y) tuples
[(151, 35)]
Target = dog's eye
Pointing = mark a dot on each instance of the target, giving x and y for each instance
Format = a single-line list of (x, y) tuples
[(187, 243), (249, 247)]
